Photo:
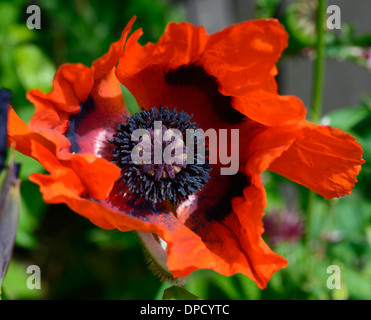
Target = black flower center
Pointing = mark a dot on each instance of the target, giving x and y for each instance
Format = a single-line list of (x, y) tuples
[(156, 158)]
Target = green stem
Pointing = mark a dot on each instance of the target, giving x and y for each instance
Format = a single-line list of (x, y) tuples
[(308, 216), (319, 68), (317, 97)]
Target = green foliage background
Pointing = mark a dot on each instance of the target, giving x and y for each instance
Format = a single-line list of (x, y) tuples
[(81, 261)]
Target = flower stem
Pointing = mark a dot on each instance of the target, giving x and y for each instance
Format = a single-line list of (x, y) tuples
[(317, 94), (319, 68)]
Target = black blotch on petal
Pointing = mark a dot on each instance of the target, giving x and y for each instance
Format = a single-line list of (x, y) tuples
[(86, 108), (237, 183), (141, 207), (194, 75)]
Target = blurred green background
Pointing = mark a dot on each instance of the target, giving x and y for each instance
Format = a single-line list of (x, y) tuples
[(81, 261)]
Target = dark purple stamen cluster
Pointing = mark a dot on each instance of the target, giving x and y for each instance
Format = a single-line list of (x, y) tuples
[(163, 170), (158, 182)]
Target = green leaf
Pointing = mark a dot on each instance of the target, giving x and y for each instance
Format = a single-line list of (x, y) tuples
[(177, 293), (266, 8), (227, 286), (364, 40), (31, 213), (358, 284), (9, 15), (29, 166), (199, 283), (15, 282), (130, 101), (34, 68), (347, 118), (20, 33), (8, 76)]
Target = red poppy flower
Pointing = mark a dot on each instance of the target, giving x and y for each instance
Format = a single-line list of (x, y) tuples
[(226, 80)]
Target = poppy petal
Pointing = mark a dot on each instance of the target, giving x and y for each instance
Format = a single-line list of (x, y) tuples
[(79, 123), (229, 221), (269, 108), (85, 105), (267, 144), (187, 65), (63, 186), (98, 118), (323, 159), (226, 246), (72, 85), (95, 174), (20, 137), (181, 44), (187, 88), (243, 56), (108, 61), (231, 237)]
